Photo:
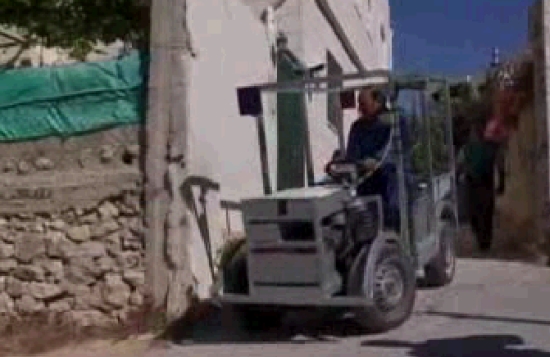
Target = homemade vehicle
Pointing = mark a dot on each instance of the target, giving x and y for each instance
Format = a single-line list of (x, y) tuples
[(324, 246)]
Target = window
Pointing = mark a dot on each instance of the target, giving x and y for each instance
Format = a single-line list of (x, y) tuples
[(334, 110)]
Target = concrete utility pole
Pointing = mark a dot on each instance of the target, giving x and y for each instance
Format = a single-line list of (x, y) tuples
[(169, 276)]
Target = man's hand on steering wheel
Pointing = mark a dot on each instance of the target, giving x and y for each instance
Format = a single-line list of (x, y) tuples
[(337, 156), (369, 165)]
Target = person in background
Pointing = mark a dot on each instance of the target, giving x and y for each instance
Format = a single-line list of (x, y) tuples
[(476, 164)]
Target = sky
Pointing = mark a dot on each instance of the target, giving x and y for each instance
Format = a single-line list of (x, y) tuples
[(456, 37)]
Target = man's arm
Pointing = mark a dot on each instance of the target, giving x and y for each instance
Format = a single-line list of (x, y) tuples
[(384, 133), (353, 152)]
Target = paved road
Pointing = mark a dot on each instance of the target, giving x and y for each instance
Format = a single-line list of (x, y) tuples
[(492, 309)]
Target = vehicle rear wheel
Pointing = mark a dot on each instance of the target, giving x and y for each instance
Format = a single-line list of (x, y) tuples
[(389, 281), (441, 270), (248, 317)]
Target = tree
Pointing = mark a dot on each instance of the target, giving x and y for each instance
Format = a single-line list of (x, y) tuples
[(77, 25), (468, 105)]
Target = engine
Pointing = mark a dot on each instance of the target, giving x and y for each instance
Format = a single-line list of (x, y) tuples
[(349, 230), (364, 219)]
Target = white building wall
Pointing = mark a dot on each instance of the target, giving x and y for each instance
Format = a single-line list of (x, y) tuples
[(362, 22), (232, 51), (319, 38), (375, 18), (289, 20), (310, 39)]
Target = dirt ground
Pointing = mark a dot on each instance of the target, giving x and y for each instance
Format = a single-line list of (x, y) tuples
[(134, 347), (512, 241)]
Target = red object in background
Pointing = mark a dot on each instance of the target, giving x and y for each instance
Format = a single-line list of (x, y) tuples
[(496, 130), (507, 108), (511, 102)]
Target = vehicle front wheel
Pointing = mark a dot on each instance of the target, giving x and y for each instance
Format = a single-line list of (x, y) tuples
[(389, 281)]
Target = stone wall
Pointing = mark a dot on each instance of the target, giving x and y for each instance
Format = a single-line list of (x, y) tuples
[(88, 264), (539, 41), (76, 249)]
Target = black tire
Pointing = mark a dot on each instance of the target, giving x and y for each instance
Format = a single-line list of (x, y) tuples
[(441, 270), (235, 274), (383, 315), (247, 317)]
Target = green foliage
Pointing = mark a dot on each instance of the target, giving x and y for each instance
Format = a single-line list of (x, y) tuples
[(433, 145), (420, 160), (77, 25), (470, 104)]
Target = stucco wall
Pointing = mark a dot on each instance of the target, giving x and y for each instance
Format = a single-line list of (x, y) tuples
[(539, 38), (362, 21), (232, 51), (319, 38), (310, 39), (517, 204), (525, 204)]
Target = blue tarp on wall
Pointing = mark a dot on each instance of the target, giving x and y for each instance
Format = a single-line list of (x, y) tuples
[(72, 100)]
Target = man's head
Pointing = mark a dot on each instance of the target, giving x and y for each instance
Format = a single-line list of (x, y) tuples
[(369, 102)]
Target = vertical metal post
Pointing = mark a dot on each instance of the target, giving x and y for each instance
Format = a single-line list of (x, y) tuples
[(307, 142), (307, 148), (450, 147), (341, 135), (428, 130), (260, 126), (397, 146)]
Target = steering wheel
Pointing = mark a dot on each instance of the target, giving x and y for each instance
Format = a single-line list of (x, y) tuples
[(369, 167), (354, 172), (362, 170)]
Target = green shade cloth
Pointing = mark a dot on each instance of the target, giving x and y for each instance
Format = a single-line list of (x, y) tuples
[(72, 100)]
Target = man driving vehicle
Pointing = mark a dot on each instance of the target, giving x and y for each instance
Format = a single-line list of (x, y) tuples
[(368, 142)]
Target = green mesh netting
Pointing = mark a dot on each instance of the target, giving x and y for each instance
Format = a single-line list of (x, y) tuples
[(71, 100)]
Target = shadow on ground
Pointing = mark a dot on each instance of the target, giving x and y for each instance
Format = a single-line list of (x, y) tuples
[(500, 319), (296, 328), (470, 346)]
